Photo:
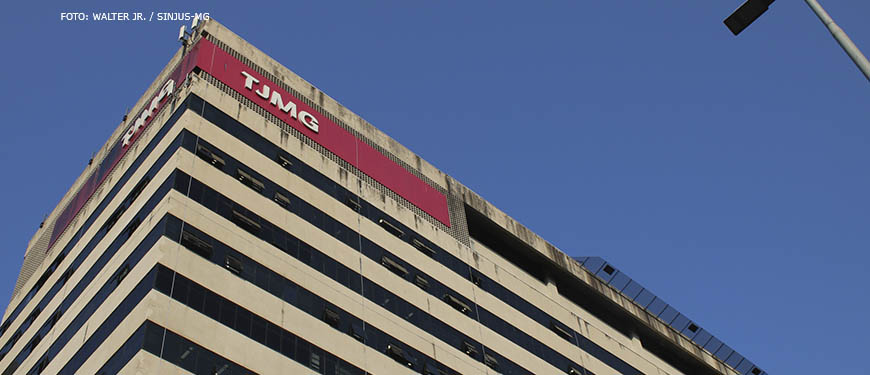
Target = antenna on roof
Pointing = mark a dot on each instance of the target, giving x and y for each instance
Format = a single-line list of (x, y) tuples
[(194, 23)]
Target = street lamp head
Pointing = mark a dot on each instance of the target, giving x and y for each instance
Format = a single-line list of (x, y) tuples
[(746, 14)]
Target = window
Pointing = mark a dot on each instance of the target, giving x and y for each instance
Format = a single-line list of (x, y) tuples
[(284, 162), (246, 223), (421, 282), (138, 189), (490, 361), (110, 222), (399, 355), (331, 317), (429, 369), (54, 318), (234, 264), (249, 181), (315, 361), (390, 227), (205, 154), (561, 331), (282, 200), (198, 246), (353, 204), (456, 303), (422, 247), (468, 348), (356, 331), (476, 279), (132, 227), (66, 275), (125, 270), (394, 266)]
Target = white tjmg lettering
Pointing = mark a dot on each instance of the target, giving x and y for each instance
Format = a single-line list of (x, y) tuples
[(249, 80), (309, 121), (279, 102)]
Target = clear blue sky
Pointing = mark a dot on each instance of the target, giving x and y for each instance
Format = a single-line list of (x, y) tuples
[(729, 175)]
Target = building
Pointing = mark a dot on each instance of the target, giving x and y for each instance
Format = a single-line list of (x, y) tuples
[(243, 222)]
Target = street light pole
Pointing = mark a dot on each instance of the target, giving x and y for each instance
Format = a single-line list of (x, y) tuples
[(752, 9), (841, 37)]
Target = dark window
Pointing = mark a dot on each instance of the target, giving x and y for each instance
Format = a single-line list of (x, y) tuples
[(138, 189), (429, 369), (390, 227), (475, 279), (110, 222), (556, 327), (195, 244), (205, 154), (490, 361), (394, 266), (54, 318), (456, 303), (331, 317), (399, 355), (282, 200), (353, 204), (122, 274), (65, 277), (422, 247), (356, 331), (132, 226), (421, 282), (468, 348), (35, 341), (315, 361), (246, 223), (234, 264), (284, 162), (249, 180)]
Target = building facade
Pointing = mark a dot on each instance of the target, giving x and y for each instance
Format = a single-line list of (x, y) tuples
[(240, 221)]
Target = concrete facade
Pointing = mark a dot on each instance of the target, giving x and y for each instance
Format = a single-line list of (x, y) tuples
[(586, 324)]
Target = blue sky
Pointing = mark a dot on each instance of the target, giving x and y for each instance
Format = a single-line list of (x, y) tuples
[(727, 174)]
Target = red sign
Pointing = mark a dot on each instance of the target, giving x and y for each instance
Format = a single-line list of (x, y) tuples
[(137, 124), (321, 129), (280, 103)]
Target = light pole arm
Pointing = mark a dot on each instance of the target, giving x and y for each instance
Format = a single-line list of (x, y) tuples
[(841, 37)]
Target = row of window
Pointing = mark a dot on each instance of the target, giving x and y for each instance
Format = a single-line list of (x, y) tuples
[(102, 293), (67, 333), (104, 330), (292, 246), (76, 237), (250, 325), (292, 293), (174, 349), (289, 244), (327, 185), (278, 238), (171, 227)]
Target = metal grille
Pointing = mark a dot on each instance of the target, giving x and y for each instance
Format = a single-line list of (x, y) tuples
[(455, 205)]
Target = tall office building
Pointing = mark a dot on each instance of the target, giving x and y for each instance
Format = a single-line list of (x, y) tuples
[(240, 221)]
